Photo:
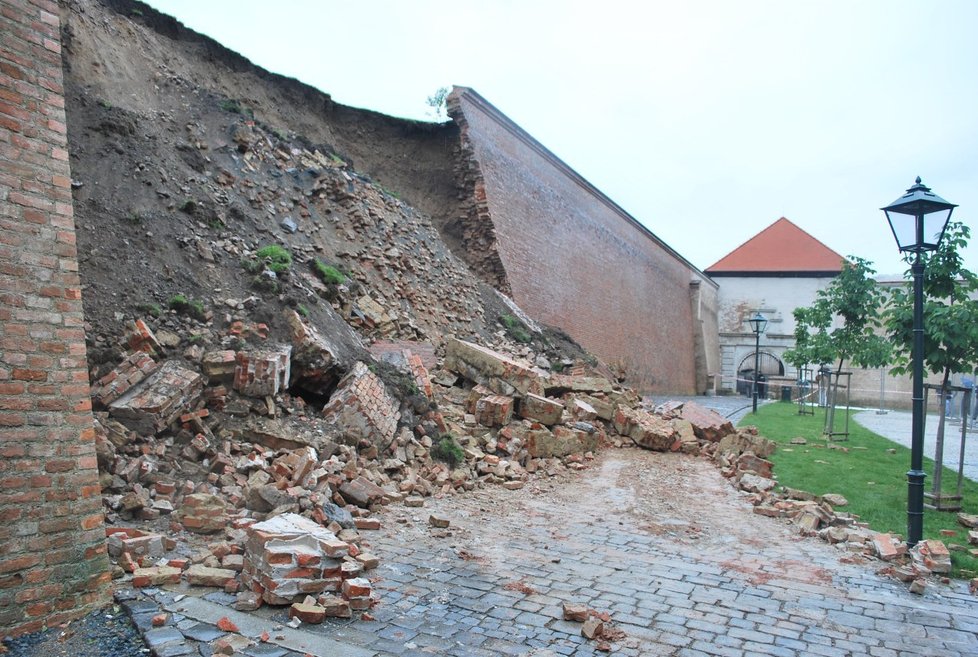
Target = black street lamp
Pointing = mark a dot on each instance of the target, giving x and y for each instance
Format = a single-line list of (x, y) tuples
[(918, 220), (757, 324)]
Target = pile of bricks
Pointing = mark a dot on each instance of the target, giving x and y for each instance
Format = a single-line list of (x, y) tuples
[(133, 369), (742, 458), (143, 339), (153, 404), (202, 513), (290, 557), (263, 373)]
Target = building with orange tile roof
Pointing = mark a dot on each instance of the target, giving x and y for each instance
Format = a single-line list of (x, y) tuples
[(779, 269)]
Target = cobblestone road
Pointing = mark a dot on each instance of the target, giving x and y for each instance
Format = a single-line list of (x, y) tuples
[(663, 544)]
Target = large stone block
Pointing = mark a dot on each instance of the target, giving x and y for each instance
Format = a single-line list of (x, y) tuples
[(707, 423), (262, 373), (362, 492), (152, 405), (541, 443), (646, 430), (219, 365), (559, 384), (543, 410), (492, 369), (603, 406), (494, 410), (133, 369)]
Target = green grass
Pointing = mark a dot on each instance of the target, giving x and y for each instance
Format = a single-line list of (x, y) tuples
[(869, 470), (235, 107), (447, 450), (276, 258), (327, 273), (190, 307), (150, 308), (516, 329)]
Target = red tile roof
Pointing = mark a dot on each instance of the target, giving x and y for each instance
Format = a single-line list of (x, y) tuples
[(781, 248)]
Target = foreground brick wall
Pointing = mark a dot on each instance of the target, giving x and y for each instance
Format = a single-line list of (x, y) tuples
[(576, 260), (52, 541)]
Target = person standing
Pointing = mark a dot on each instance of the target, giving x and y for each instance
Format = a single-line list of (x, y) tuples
[(823, 379)]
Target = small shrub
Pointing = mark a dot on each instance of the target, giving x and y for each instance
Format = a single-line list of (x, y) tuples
[(557, 366), (189, 307), (275, 257), (328, 274), (303, 310), (135, 12), (104, 103), (134, 218), (151, 309), (516, 329), (235, 107), (189, 206), (447, 450)]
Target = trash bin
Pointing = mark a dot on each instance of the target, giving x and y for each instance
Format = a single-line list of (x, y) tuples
[(786, 393)]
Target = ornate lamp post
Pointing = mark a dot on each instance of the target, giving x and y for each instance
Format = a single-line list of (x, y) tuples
[(918, 220), (757, 324)]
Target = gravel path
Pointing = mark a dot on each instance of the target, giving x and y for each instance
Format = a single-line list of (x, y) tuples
[(105, 633)]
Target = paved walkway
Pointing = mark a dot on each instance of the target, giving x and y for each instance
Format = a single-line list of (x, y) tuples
[(897, 426), (661, 542)]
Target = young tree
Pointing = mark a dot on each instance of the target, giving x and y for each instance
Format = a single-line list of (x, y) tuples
[(856, 299), (950, 318), (437, 103)]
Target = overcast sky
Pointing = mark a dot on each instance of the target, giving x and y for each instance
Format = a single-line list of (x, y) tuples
[(707, 121)]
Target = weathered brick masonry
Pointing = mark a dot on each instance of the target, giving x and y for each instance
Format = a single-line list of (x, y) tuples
[(52, 540), (574, 259)]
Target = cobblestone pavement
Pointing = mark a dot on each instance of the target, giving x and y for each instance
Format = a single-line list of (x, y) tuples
[(661, 542)]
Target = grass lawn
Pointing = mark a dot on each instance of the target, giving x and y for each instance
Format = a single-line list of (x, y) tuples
[(871, 472)]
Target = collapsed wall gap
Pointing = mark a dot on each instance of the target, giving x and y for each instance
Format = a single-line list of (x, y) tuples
[(315, 394)]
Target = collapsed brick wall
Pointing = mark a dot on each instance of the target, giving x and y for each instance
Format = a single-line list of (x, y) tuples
[(473, 227), (53, 565), (574, 259)]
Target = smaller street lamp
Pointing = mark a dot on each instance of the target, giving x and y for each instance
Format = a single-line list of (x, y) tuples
[(918, 220), (757, 324)]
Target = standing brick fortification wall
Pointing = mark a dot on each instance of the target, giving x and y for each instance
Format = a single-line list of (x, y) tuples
[(574, 259), (53, 564)]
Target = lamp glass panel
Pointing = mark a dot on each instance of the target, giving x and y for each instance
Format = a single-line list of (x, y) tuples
[(934, 224), (904, 227)]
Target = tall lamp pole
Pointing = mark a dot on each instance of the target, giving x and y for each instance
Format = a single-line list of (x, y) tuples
[(918, 220), (757, 324)]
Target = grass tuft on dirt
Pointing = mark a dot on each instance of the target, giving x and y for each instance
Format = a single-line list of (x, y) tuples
[(869, 470)]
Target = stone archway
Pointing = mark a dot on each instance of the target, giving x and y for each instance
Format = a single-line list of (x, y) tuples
[(769, 366)]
